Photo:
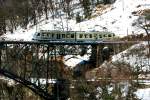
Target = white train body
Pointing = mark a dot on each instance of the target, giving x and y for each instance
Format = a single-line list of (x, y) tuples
[(55, 35)]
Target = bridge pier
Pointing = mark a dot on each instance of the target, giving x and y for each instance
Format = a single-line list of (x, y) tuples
[(102, 52), (96, 55)]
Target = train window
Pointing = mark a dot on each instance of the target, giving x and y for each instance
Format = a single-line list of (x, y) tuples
[(85, 35), (72, 35), (63, 35), (47, 35), (95, 35), (90, 35), (44, 34), (100, 36), (81, 36), (105, 35), (109, 35)]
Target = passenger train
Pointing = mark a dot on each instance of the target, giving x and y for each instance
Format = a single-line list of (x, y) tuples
[(79, 36)]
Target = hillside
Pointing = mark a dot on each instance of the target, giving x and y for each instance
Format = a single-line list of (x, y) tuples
[(117, 18)]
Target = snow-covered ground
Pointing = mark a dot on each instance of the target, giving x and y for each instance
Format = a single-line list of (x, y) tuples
[(117, 18), (72, 61), (143, 94), (135, 56)]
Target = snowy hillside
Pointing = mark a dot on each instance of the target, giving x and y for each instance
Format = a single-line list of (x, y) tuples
[(136, 56), (115, 18)]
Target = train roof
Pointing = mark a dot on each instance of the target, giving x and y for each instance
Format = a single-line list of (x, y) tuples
[(50, 31), (99, 32)]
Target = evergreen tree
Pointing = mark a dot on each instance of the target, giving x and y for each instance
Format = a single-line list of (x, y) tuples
[(87, 8), (107, 1)]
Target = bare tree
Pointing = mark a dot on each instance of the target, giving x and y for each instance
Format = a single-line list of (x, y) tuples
[(144, 23)]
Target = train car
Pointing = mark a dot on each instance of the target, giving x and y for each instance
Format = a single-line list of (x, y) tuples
[(105, 36), (82, 36), (46, 35), (79, 36), (94, 36)]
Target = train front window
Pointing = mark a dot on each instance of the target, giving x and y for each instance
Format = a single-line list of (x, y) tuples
[(38, 34)]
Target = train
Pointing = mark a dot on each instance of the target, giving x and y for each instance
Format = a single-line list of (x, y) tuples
[(79, 36)]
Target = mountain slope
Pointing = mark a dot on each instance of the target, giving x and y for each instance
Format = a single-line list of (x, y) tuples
[(117, 18)]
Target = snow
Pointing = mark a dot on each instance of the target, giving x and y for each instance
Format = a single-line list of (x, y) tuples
[(9, 81), (143, 94), (118, 19), (145, 82), (72, 61)]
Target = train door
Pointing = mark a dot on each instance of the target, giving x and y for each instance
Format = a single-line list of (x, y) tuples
[(58, 36)]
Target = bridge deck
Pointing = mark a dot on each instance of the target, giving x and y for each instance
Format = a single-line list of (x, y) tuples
[(69, 42)]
